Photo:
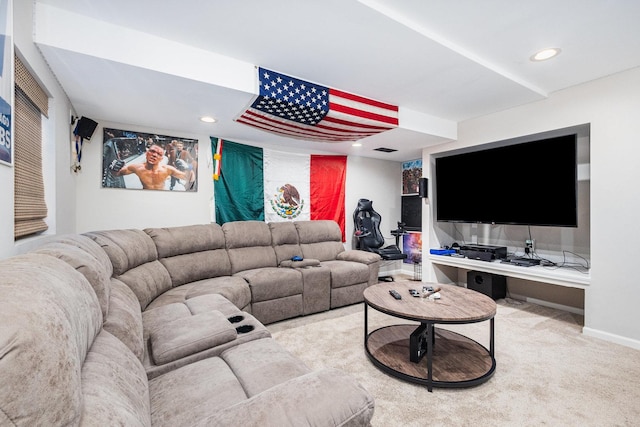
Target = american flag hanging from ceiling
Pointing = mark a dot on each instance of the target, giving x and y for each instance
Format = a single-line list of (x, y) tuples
[(298, 109)]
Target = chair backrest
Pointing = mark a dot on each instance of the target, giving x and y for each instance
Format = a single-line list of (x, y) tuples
[(366, 222)]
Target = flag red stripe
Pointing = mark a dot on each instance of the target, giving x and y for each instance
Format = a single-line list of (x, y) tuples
[(320, 132), (284, 132), (327, 187), (357, 98), (320, 128), (361, 113), (371, 128)]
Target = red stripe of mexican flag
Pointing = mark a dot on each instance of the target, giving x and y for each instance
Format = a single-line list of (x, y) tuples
[(327, 181)]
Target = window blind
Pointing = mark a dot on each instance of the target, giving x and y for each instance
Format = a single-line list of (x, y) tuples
[(31, 102)]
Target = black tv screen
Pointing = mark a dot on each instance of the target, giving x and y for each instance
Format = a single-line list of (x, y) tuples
[(411, 213), (530, 183)]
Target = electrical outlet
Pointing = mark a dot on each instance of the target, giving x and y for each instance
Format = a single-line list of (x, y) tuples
[(529, 246)]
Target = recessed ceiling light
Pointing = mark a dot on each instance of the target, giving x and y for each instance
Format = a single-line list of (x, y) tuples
[(208, 119), (545, 54), (357, 144)]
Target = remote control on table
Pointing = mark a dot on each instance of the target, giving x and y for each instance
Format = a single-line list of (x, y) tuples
[(395, 294)]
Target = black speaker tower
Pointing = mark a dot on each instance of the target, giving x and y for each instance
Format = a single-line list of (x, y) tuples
[(423, 187)]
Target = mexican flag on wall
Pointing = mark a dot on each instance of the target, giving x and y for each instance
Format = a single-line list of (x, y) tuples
[(252, 183)]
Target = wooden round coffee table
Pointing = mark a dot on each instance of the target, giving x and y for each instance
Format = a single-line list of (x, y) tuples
[(424, 354)]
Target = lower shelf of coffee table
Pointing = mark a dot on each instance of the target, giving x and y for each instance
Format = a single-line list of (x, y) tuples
[(457, 361)]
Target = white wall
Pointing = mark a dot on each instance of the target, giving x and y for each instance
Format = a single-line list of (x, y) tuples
[(379, 181), (107, 208), (100, 208), (612, 106), (60, 182)]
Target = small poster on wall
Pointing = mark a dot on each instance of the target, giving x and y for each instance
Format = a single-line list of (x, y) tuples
[(137, 160), (6, 82), (412, 246), (411, 173)]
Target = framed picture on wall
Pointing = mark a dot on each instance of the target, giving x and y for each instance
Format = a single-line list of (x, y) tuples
[(144, 161), (6, 83), (412, 246), (411, 173)]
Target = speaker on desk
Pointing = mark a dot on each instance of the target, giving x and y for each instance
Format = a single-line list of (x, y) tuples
[(492, 285), (423, 187)]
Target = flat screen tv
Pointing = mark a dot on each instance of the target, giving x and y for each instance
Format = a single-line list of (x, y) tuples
[(411, 213), (529, 183)]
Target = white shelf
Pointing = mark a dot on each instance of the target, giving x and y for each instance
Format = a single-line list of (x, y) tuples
[(553, 275)]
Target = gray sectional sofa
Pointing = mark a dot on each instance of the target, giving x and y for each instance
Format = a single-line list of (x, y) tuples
[(165, 326)]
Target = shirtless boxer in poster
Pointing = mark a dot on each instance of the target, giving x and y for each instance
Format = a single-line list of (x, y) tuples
[(152, 173)]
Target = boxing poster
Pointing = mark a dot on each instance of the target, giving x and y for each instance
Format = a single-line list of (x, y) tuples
[(144, 161)]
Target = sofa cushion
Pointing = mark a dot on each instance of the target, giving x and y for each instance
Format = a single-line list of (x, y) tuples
[(347, 273), (192, 393), (88, 245), (87, 264), (114, 385), (262, 364), (187, 239), (192, 253), (234, 289), (330, 397), (197, 266), (272, 282), (135, 262), (49, 317), (156, 319), (125, 248), (248, 244), (190, 335), (320, 239), (125, 319), (204, 303), (284, 238), (147, 281)]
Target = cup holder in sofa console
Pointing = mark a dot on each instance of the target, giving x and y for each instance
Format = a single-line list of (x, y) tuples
[(243, 329), (235, 319)]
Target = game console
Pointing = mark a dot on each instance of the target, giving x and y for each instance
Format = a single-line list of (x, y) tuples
[(483, 252), (418, 343)]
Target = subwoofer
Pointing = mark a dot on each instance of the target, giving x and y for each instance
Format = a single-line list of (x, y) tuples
[(492, 285)]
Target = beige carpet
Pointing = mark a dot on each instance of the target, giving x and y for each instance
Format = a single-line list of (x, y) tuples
[(547, 372)]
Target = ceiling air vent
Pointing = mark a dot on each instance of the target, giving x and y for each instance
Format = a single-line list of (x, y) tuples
[(385, 150)]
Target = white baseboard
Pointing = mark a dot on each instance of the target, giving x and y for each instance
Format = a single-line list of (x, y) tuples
[(544, 303), (617, 339), (596, 333)]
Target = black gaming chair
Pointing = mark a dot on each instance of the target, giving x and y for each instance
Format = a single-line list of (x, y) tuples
[(366, 222)]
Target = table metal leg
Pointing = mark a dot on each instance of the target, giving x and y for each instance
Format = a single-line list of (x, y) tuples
[(492, 338), (430, 344), (366, 322)]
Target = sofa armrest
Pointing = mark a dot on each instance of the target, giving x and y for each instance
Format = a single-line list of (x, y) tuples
[(189, 335), (355, 255), (325, 397), (300, 264)]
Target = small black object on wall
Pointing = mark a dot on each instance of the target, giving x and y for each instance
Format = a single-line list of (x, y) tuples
[(85, 128), (492, 285), (423, 187)]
